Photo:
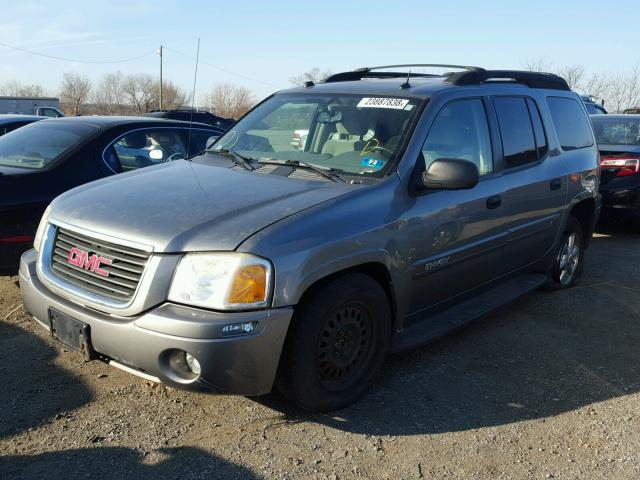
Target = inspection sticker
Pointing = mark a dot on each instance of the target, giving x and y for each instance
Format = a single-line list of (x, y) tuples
[(372, 163), (373, 102)]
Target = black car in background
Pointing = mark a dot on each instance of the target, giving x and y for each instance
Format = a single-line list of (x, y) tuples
[(40, 161), (618, 138), (592, 105), (10, 121), (222, 124)]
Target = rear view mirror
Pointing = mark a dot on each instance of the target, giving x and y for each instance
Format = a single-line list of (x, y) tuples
[(331, 116), (451, 174)]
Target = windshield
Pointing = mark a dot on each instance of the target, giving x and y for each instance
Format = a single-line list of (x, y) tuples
[(351, 134), (617, 131), (36, 145)]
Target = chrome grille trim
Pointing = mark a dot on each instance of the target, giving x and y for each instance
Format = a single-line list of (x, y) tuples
[(115, 286), (145, 293)]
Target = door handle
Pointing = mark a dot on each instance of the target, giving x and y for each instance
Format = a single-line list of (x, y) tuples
[(494, 201), (555, 184)]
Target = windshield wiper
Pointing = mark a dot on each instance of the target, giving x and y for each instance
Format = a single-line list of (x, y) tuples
[(324, 171), (236, 157)]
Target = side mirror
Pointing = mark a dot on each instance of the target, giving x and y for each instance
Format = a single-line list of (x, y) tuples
[(210, 141), (451, 174)]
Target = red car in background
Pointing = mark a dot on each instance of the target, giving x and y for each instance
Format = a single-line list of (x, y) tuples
[(618, 138)]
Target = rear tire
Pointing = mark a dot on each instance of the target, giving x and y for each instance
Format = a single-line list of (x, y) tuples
[(336, 344), (567, 267)]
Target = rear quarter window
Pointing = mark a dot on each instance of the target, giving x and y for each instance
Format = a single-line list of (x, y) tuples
[(571, 123)]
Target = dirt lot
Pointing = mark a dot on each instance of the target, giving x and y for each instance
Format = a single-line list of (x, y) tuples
[(546, 388)]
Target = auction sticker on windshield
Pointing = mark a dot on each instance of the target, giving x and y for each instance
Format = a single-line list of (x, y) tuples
[(372, 102)]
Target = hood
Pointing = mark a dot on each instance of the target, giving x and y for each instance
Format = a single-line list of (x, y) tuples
[(183, 206)]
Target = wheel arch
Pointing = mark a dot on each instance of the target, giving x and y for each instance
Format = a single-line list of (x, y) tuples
[(585, 211), (376, 269)]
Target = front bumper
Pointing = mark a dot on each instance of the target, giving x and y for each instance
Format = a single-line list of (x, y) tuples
[(244, 364)]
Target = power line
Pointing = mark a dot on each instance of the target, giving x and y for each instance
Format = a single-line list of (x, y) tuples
[(223, 69), (53, 57)]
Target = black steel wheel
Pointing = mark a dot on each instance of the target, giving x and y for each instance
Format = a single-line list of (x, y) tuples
[(337, 342)]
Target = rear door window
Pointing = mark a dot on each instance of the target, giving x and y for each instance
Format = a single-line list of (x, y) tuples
[(460, 131), (571, 122), (143, 148), (516, 130)]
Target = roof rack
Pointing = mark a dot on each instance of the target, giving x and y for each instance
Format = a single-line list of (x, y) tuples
[(367, 72), (532, 79)]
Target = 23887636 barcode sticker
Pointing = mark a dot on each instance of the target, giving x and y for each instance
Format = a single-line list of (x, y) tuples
[(379, 102)]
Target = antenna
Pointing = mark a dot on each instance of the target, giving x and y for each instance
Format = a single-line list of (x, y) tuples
[(193, 97), (406, 84)]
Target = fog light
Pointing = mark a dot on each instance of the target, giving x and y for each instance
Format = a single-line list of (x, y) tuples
[(239, 328), (192, 363)]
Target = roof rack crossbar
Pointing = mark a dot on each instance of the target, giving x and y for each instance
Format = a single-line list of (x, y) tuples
[(360, 73), (531, 79), (430, 65)]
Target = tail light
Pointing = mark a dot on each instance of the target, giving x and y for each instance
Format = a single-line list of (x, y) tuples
[(625, 165)]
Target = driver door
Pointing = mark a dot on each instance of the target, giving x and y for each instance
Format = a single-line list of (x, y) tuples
[(455, 236)]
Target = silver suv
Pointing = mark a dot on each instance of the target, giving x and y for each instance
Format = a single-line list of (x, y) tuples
[(417, 203)]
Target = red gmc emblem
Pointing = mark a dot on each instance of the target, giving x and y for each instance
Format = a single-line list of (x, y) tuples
[(81, 259)]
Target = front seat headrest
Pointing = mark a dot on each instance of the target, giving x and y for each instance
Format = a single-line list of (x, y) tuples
[(135, 140)]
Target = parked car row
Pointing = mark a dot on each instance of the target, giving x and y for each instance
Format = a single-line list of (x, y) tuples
[(618, 138), (332, 224)]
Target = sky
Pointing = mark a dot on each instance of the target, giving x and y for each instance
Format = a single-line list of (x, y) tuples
[(260, 45)]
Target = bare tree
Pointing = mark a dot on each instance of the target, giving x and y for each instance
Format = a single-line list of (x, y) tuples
[(314, 75), (109, 97), (173, 96), (16, 89), (573, 74), (536, 65), (140, 91), (597, 85), (75, 90), (229, 101), (624, 90)]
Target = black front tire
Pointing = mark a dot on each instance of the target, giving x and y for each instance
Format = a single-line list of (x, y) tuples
[(568, 264), (336, 344)]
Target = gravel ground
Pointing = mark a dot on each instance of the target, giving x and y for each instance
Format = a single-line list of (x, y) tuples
[(548, 387)]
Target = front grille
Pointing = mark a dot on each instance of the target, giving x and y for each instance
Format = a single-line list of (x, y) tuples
[(124, 272)]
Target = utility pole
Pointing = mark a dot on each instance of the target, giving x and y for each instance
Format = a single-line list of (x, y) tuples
[(159, 51)]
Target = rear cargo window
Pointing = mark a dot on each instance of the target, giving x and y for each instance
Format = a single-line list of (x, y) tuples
[(571, 122)]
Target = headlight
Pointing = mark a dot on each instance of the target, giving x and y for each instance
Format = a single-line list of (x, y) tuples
[(222, 281), (42, 226)]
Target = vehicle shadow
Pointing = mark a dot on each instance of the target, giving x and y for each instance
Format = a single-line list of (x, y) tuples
[(122, 463), (33, 389), (543, 355)]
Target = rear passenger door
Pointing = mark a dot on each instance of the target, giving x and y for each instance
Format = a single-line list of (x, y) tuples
[(534, 190)]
